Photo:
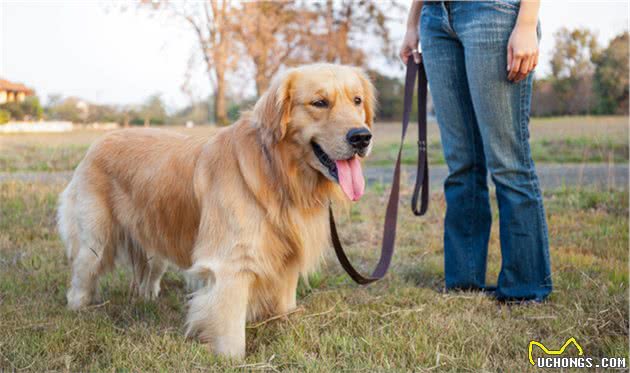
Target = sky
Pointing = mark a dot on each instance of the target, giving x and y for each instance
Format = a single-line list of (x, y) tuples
[(103, 53)]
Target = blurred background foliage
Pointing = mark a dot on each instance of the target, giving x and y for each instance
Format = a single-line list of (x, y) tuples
[(241, 42)]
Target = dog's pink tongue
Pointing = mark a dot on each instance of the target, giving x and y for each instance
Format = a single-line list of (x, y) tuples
[(351, 178)]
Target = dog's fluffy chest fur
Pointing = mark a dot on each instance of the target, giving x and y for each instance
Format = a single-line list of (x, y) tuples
[(247, 214)]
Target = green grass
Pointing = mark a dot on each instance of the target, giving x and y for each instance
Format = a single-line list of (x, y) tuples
[(402, 323)]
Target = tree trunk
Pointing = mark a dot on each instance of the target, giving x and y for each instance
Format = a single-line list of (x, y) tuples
[(220, 110), (263, 79), (330, 17)]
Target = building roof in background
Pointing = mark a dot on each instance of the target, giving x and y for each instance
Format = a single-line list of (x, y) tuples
[(6, 85)]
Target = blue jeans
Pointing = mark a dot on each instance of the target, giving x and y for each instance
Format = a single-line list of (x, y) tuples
[(483, 120)]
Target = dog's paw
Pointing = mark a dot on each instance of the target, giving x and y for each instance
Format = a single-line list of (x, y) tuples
[(150, 291), (78, 298)]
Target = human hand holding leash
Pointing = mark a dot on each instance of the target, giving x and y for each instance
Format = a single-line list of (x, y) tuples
[(410, 45)]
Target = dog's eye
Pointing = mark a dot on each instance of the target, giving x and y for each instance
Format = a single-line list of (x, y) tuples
[(357, 101), (320, 103)]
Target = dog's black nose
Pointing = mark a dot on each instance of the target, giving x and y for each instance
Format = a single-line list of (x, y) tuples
[(359, 138)]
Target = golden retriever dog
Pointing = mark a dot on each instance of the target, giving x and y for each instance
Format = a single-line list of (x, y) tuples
[(245, 211)]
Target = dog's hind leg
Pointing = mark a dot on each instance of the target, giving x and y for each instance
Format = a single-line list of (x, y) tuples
[(286, 296), (93, 258), (150, 283), (91, 253), (217, 313)]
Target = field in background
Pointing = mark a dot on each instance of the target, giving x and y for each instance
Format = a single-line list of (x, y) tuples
[(557, 140), (553, 140), (403, 323)]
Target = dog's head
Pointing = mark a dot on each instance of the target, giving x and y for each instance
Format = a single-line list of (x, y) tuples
[(328, 110)]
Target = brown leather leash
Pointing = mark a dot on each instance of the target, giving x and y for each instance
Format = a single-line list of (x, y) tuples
[(422, 181)]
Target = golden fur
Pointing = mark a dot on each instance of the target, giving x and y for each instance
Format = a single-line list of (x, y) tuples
[(245, 211)]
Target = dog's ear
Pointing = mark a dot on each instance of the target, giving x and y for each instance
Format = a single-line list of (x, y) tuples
[(272, 112), (369, 97)]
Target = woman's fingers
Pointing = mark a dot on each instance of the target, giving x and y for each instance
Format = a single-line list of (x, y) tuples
[(514, 68), (532, 61), (409, 46), (403, 57), (404, 54), (522, 66), (526, 67)]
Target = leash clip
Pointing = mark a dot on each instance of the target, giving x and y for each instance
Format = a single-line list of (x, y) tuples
[(422, 145)]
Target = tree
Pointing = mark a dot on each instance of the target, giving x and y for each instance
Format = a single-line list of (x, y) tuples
[(210, 22), (104, 114), (153, 111), (198, 112), (573, 52), (339, 29), (611, 77), (572, 69), (270, 33), (390, 96), (32, 108), (275, 34)]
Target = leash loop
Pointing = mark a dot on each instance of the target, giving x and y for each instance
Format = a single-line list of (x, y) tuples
[(421, 187)]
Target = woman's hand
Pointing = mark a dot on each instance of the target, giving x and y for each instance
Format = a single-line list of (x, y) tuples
[(522, 55), (410, 46)]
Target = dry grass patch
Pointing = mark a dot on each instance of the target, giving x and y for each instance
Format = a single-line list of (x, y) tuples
[(402, 323)]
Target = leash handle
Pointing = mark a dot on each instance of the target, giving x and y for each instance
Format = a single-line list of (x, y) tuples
[(422, 173), (422, 181)]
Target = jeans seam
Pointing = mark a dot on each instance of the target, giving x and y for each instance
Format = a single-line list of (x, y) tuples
[(530, 168), (472, 265)]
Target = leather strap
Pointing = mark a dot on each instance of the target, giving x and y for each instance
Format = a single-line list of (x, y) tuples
[(421, 188)]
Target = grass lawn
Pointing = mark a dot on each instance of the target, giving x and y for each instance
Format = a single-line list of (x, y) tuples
[(556, 140), (552, 140), (402, 323)]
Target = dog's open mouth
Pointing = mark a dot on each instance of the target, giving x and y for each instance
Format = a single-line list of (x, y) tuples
[(347, 172)]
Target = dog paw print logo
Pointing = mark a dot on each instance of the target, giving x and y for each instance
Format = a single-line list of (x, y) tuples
[(553, 352)]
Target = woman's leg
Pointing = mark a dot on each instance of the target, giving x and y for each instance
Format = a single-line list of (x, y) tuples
[(468, 217), (502, 111)]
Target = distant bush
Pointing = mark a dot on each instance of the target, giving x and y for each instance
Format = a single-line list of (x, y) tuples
[(28, 109), (198, 112), (5, 116), (14, 109), (32, 108), (69, 109)]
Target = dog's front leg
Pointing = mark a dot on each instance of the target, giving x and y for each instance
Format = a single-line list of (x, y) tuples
[(218, 312), (287, 295)]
